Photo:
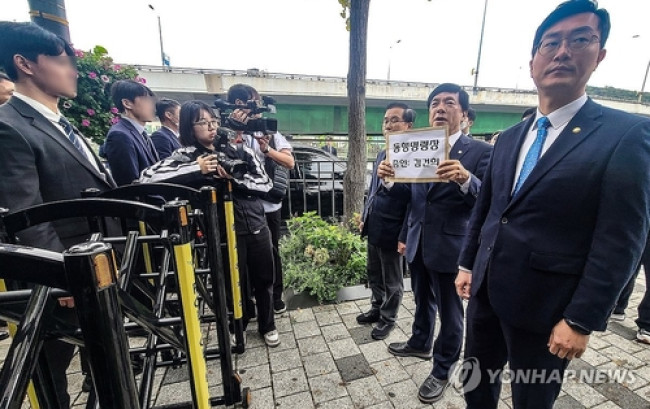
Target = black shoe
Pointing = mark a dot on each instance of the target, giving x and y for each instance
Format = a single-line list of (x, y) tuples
[(279, 306), (87, 384), (403, 349), (4, 335), (381, 330), (369, 317), (432, 390)]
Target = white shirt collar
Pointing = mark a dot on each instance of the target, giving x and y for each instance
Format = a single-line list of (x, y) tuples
[(171, 130), (561, 116), (454, 138), (39, 107), (135, 123)]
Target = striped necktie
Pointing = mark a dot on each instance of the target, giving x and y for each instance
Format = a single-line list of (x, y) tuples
[(72, 136), (534, 152)]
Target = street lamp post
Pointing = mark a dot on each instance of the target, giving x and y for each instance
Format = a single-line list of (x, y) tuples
[(645, 77), (162, 49), (480, 47), (390, 55)]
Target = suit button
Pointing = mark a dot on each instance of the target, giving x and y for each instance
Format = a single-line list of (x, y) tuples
[(504, 220), (489, 248)]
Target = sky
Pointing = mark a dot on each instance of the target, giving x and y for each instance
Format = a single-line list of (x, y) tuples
[(438, 39)]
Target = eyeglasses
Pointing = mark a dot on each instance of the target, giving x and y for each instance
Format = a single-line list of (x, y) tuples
[(575, 43), (206, 124), (393, 120)]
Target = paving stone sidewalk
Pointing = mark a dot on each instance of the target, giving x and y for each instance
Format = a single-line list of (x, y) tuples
[(328, 361)]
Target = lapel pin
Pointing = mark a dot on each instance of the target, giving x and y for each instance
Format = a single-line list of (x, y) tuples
[(577, 129), (460, 151)]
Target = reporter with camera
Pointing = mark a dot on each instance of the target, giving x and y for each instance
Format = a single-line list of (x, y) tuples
[(204, 160), (273, 149)]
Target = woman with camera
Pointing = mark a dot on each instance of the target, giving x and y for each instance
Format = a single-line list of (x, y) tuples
[(206, 159)]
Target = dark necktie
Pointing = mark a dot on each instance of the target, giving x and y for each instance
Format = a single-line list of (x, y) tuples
[(149, 143), (533, 153), (72, 136)]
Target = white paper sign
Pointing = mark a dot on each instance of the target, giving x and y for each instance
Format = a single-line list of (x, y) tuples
[(416, 154)]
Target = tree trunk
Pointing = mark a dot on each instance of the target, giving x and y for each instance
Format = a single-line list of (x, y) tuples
[(354, 181)]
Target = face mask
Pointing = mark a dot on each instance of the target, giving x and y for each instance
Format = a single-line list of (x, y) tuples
[(463, 125)]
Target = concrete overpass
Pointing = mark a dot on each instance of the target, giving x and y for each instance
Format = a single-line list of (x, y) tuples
[(311, 104)]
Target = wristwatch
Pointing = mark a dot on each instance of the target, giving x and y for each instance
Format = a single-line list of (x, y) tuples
[(268, 149)]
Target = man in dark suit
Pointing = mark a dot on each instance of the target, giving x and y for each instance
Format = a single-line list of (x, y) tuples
[(437, 223), (42, 157), (329, 146), (553, 239), (382, 221), (128, 147), (165, 139)]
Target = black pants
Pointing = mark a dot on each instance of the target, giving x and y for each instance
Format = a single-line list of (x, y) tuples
[(255, 256), (435, 292), (490, 343), (643, 321), (385, 279), (273, 219)]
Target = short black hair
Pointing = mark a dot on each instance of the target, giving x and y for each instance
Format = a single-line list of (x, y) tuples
[(463, 96), (528, 112), (471, 114), (128, 89), (30, 41), (408, 115), (242, 92), (164, 105), (190, 113), (571, 8)]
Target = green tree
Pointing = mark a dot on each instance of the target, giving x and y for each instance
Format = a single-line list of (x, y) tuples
[(92, 111)]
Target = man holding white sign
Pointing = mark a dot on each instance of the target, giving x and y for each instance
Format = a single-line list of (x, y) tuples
[(436, 227)]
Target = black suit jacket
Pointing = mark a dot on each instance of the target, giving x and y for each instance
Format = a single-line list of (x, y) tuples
[(38, 164), (165, 142), (384, 215), (128, 152), (567, 243)]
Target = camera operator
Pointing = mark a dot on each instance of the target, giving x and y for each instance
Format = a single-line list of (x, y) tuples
[(204, 160), (275, 152)]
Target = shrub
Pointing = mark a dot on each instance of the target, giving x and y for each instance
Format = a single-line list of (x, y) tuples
[(321, 258)]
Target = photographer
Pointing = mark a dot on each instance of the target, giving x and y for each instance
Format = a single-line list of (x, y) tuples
[(275, 152), (204, 160)]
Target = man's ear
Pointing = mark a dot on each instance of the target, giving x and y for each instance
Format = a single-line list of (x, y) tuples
[(23, 65), (127, 103)]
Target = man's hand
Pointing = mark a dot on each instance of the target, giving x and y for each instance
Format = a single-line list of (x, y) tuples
[(67, 302), (463, 284), (264, 142), (360, 226), (239, 116), (453, 170), (385, 170), (565, 342), (401, 248)]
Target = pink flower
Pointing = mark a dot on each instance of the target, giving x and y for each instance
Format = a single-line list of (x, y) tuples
[(92, 75), (85, 122), (79, 53), (91, 112), (114, 110), (115, 120), (141, 80), (105, 78), (117, 67)]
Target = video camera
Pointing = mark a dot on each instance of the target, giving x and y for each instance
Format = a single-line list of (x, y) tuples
[(264, 125)]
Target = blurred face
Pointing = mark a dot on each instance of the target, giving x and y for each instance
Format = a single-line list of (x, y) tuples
[(394, 121), (173, 115), (6, 90), (141, 108), (556, 68), (54, 75), (444, 110), (205, 128)]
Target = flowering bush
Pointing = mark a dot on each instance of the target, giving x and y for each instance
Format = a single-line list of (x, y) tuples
[(92, 110), (321, 258)]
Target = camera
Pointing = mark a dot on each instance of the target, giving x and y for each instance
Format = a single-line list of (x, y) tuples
[(264, 125)]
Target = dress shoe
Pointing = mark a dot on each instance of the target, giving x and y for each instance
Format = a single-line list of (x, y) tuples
[(403, 349), (381, 330), (432, 390), (369, 317)]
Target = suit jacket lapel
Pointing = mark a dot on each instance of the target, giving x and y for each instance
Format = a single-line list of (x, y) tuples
[(44, 125), (456, 152), (140, 140), (585, 121), (511, 159)]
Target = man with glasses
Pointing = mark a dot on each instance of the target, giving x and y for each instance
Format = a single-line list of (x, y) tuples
[(382, 221), (560, 224)]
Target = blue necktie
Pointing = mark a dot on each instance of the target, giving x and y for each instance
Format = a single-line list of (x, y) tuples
[(533, 153), (69, 132)]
